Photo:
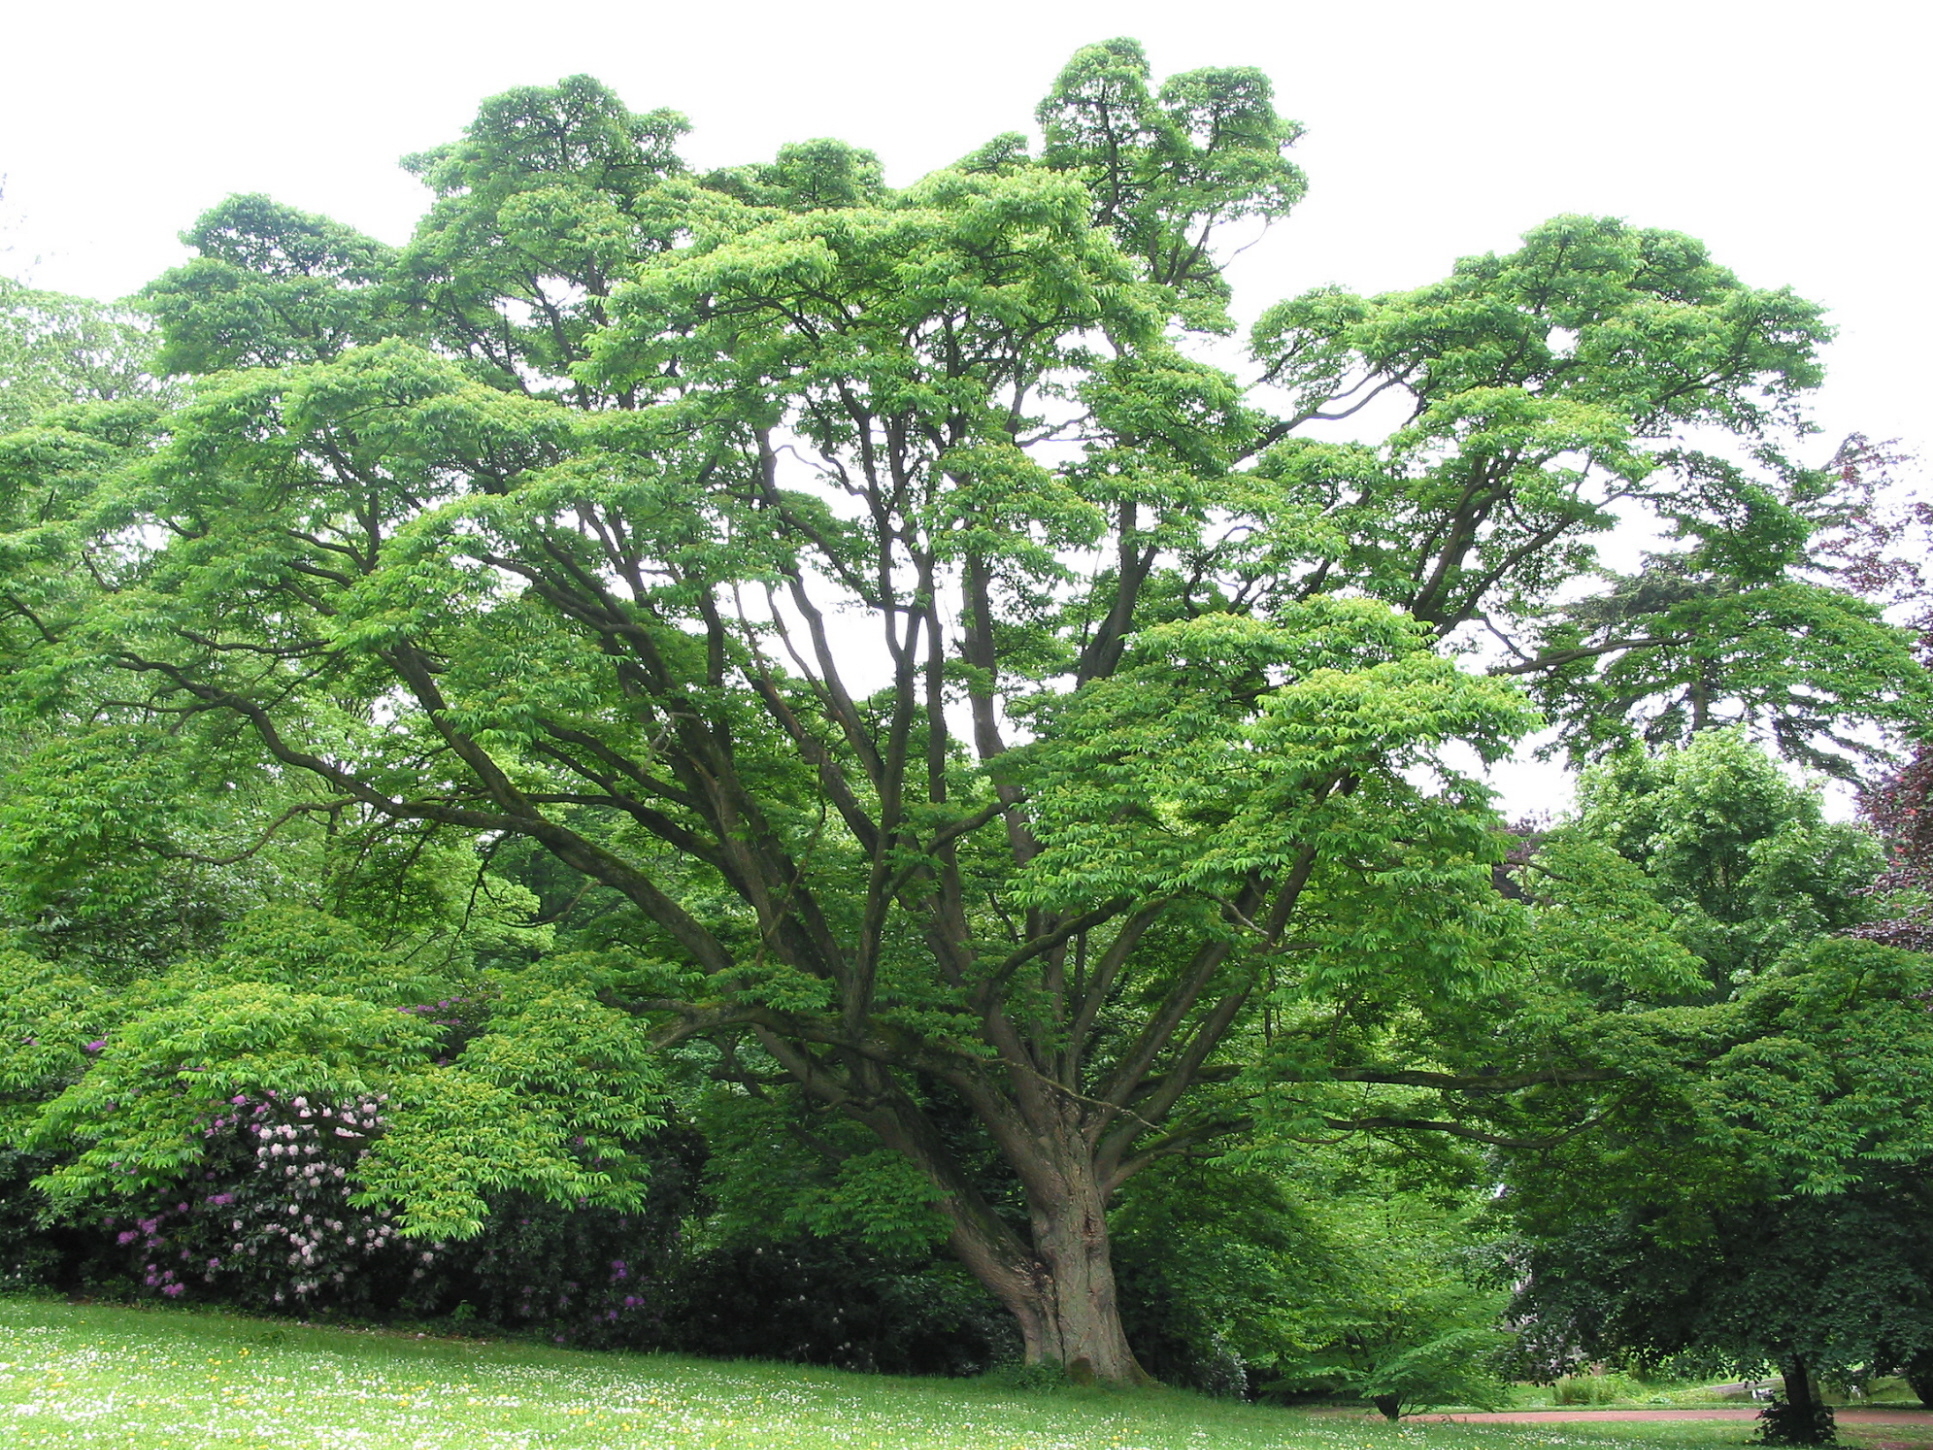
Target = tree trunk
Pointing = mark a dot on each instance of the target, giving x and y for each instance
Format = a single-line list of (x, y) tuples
[(1077, 1316), (1801, 1419), (1058, 1281), (1798, 1387), (1919, 1374)]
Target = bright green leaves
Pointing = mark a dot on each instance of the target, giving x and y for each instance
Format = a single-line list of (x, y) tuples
[(1411, 1330), (1229, 751), (909, 346), (1742, 859), (136, 1116), (1162, 414), (1598, 374), (1003, 504), (548, 1100), (1541, 387), (807, 176), (1597, 927), (523, 1081), (271, 285), (56, 349), (544, 207), (96, 805), (1637, 321), (1837, 1079), (577, 131), (393, 405), (1166, 167), (77, 402), (916, 308), (51, 1022), (301, 949)]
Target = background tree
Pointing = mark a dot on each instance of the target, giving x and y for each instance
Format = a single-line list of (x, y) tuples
[(1005, 735), (56, 349), (1774, 1216), (1765, 1205), (1743, 859), (1881, 550)]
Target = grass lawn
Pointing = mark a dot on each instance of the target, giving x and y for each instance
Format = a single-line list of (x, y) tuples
[(175, 1379)]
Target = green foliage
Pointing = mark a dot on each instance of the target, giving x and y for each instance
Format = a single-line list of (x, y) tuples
[(1412, 1330), (49, 1019), (270, 285), (1225, 1272), (775, 1180), (1594, 1389), (1767, 1208), (56, 349), (1166, 166), (546, 1092), (1742, 859), (1549, 392)]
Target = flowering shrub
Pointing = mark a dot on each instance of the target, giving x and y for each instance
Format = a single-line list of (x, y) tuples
[(576, 1275), (840, 1302), (267, 1124), (270, 1223)]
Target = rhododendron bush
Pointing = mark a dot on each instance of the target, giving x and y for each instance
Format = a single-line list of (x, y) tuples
[(308, 1100)]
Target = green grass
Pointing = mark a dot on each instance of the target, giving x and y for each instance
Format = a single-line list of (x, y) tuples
[(174, 1379)]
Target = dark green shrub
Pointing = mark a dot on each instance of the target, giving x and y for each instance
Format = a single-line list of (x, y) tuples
[(1784, 1423), (833, 1302)]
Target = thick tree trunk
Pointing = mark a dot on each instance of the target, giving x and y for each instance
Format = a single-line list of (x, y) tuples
[(1803, 1420), (1058, 1281), (1077, 1316)]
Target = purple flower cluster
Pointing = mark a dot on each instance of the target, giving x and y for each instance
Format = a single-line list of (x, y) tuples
[(271, 1222), (450, 1012)]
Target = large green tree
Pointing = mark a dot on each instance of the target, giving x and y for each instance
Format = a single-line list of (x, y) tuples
[(1772, 1209), (1012, 737)]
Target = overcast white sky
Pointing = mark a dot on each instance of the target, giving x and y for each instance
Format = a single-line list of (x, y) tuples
[(1792, 138)]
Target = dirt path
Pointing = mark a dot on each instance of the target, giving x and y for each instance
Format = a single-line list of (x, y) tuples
[(1923, 1418)]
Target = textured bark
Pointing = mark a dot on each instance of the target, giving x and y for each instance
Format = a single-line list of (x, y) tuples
[(1079, 1314), (1057, 1280)]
